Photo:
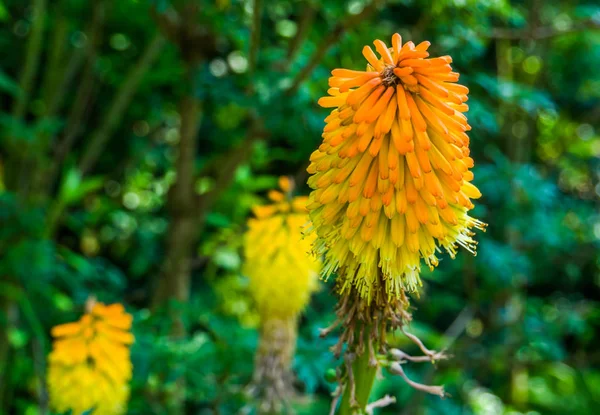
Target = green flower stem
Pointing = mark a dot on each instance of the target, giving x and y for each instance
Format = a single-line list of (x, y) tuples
[(364, 378)]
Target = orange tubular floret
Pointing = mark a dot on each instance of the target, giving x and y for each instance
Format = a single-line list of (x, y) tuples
[(415, 114), (367, 104), (414, 63), (357, 82), (423, 46), (436, 102), (347, 73), (381, 105), (336, 82), (389, 116), (432, 86), (383, 50), (447, 77), (399, 72), (430, 115), (372, 58), (329, 102), (396, 45), (361, 93), (409, 80), (413, 54), (437, 70), (402, 104), (440, 61), (457, 88)]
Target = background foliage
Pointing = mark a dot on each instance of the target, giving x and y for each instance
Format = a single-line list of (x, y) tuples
[(135, 135)]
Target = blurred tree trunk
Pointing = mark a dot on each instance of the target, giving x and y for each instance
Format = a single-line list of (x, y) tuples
[(175, 278)]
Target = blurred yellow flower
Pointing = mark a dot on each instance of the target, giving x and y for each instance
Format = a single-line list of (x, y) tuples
[(283, 274), (391, 179), (90, 366), (278, 263)]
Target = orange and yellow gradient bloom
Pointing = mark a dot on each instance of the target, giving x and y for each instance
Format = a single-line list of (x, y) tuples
[(391, 179), (89, 366)]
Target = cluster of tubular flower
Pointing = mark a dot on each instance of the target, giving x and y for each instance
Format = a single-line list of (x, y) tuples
[(391, 179), (282, 275), (89, 366)]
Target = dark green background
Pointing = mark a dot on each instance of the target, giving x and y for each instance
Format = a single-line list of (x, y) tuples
[(95, 100)]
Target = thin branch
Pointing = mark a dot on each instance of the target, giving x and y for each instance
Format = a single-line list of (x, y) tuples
[(419, 343), (255, 35), (380, 403), (328, 41), (304, 24), (55, 101), (543, 32), (396, 368), (32, 59), (54, 67), (120, 103)]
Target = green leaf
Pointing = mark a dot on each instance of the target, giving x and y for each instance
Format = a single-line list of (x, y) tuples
[(7, 84)]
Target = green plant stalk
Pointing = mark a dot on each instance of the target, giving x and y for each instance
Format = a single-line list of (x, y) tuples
[(364, 378)]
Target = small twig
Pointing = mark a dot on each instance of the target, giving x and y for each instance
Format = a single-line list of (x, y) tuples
[(380, 403), (419, 343), (399, 355), (337, 395), (372, 357), (396, 368), (324, 332), (348, 358)]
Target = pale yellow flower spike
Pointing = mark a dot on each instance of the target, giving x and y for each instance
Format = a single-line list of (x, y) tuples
[(89, 366), (391, 180), (278, 263)]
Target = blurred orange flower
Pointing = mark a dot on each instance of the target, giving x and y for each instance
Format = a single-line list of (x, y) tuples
[(90, 366)]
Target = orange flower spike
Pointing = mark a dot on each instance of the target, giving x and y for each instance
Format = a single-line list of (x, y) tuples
[(91, 356), (394, 162)]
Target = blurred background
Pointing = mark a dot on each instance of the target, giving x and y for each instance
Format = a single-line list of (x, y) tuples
[(135, 136)]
